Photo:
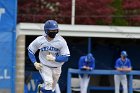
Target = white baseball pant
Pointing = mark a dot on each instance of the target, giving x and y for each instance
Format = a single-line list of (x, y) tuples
[(84, 81), (120, 79), (50, 77)]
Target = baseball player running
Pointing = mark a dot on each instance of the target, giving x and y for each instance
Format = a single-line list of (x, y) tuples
[(85, 63), (122, 64), (53, 53)]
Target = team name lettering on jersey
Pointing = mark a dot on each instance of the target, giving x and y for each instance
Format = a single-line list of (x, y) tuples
[(49, 48)]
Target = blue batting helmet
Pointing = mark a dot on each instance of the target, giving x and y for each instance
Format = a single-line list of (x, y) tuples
[(124, 53), (50, 25)]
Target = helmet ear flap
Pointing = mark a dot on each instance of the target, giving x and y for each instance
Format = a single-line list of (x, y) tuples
[(45, 31)]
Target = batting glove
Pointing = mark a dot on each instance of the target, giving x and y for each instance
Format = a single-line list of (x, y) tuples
[(38, 66), (50, 57)]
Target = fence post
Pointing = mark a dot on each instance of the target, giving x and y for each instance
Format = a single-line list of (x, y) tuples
[(130, 88), (69, 82)]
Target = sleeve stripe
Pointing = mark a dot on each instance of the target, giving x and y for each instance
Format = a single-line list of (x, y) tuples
[(67, 55), (30, 51)]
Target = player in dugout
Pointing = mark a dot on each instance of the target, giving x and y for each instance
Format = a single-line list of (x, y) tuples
[(122, 64), (86, 63)]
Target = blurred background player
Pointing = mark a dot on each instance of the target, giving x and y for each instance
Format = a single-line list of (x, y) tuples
[(85, 63), (28, 77), (53, 52), (122, 64)]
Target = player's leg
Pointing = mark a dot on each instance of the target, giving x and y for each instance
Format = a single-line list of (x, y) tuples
[(39, 83), (117, 83), (57, 89), (124, 83), (86, 82), (81, 77), (39, 88), (56, 74), (46, 74)]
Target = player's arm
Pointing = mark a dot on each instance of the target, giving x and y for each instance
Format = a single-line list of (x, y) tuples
[(33, 60), (33, 47), (117, 65), (31, 56), (129, 67), (81, 63), (92, 64), (60, 58), (119, 69), (64, 53), (124, 69)]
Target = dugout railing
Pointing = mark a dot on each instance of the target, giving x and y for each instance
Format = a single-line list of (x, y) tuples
[(102, 72)]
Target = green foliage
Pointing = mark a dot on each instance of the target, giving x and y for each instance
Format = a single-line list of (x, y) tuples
[(118, 18)]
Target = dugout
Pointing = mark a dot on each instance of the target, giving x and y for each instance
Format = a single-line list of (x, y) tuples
[(105, 42)]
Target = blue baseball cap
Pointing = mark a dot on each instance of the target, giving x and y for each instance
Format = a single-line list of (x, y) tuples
[(124, 53), (88, 57)]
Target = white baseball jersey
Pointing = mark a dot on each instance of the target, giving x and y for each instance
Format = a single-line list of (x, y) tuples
[(56, 47)]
